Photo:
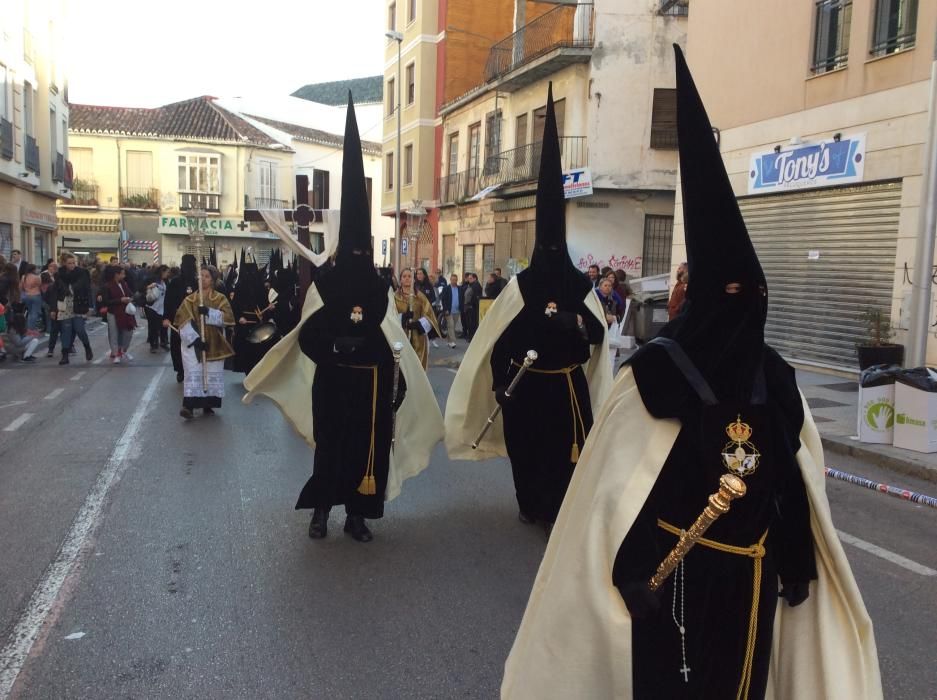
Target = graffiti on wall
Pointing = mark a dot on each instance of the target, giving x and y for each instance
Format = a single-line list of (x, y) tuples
[(616, 262)]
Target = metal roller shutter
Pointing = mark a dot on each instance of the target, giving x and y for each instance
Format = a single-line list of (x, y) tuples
[(814, 305)]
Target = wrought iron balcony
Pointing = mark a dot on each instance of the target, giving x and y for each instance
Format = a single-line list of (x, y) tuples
[(58, 168), (674, 8), (32, 155), (6, 139), (270, 203), (199, 200), (511, 167), (139, 198), (84, 193), (563, 27)]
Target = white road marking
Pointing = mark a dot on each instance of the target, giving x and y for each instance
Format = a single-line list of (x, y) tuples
[(78, 376), (24, 634), (54, 394), (11, 404), (887, 555), (16, 424)]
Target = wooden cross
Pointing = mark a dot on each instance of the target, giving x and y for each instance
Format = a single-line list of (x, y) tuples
[(302, 215)]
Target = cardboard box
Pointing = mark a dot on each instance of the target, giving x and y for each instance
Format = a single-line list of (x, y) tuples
[(915, 419), (876, 419)]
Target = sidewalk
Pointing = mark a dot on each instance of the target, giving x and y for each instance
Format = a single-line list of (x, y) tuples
[(833, 402)]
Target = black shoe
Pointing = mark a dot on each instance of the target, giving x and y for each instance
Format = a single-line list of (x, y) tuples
[(64, 360), (88, 354), (208, 411), (354, 526), (526, 519), (179, 377), (319, 525), (51, 352), (186, 413), (28, 360), (73, 350), (153, 349)]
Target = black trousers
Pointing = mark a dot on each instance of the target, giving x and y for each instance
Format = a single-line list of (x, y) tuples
[(155, 333)]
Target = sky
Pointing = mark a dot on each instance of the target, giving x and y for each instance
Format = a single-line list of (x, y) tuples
[(131, 53)]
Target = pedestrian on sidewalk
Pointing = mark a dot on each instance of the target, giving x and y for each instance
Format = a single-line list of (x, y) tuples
[(120, 324), (472, 295), (72, 299), (19, 344), (156, 334), (451, 299), (204, 384)]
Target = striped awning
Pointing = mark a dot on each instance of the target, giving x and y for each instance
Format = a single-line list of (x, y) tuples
[(97, 224)]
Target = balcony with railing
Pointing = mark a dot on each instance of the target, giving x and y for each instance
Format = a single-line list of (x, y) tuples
[(512, 167), (32, 155), (206, 201), (58, 167), (674, 8), (139, 198), (268, 203), (558, 38), (6, 139), (84, 194)]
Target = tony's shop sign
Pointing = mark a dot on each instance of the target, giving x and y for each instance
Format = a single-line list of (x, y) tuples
[(822, 164)]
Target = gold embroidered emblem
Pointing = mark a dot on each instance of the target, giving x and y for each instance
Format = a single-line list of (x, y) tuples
[(357, 314), (739, 455), (551, 309)]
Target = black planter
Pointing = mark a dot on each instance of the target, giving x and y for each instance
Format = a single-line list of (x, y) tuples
[(879, 355)]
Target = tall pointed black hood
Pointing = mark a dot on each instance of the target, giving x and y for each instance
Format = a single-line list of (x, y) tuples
[(552, 275), (355, 226)]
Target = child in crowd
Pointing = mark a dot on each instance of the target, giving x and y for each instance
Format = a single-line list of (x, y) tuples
[(19, 344)]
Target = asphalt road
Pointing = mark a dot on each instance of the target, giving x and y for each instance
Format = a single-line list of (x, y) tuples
[(197, 579)]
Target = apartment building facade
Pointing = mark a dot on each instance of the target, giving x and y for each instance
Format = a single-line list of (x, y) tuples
[(821, 109), (34, 117), (138, 172)]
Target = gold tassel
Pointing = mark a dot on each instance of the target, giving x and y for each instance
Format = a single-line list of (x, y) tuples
[(574, 454), (368, 486)]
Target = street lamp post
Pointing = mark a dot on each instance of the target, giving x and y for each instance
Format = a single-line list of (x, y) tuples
[(398, 37)]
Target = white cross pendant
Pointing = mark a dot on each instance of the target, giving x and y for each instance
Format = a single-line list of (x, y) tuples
[(686, 673)]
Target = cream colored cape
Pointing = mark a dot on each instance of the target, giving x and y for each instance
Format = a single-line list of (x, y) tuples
[(575, 638), (471, 399), (285, 376)]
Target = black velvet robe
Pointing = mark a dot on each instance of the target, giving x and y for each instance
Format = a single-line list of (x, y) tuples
[(717, 598), (343, 396), (177, 290), (538, 422)]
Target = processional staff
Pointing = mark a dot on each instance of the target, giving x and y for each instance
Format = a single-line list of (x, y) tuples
[(194, 219), (528, 361)]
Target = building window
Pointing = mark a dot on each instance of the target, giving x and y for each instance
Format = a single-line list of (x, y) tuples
[(28, 107), (411, 83), (53, 131), (411, 10), (267, 173), (6, 240), (200, 182), (390, 96), (675, 8), (895, 26), (4, 93), (453, 154), (82, 163), (664, 119), (540, 119), (831, 35), (320, 189), (492, 142), (392, 17), (389, 174), (468, 259), (408, 164), (658, 239), (488, 261)]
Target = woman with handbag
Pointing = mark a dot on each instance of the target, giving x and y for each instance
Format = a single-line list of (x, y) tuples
[(156, 334), (121, 313)]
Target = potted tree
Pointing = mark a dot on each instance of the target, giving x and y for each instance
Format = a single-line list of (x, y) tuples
[(878, 350)]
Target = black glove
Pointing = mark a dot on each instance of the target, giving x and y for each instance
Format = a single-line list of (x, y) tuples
[(795, 593), (415, 325), (203, 310), (406, 318), (501, 397), (347, 344), (640, 600), (564, 320)]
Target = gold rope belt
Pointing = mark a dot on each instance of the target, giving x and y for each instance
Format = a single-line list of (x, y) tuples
[(573, 402), (368, 486), (757, 553)]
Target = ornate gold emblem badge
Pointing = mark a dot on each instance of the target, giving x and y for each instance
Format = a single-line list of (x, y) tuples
[(551, 309), (739, 455), (357, 314)]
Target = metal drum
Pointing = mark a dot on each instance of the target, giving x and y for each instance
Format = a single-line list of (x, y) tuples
[(264, 333)]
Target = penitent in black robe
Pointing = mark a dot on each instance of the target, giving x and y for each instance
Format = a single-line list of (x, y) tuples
[(542, 421), (717, 587), (351, 422)]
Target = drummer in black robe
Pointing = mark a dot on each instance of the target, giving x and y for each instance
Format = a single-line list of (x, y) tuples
[(708, 631), (177, 290), (353, 385), (251, 310), (548, 417)]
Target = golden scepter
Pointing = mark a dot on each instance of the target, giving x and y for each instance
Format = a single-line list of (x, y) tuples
[(193, 220), (528, 361), (397, 349), (730, 488)]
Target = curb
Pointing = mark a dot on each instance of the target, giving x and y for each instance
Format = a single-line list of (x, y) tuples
[(898, 464)]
